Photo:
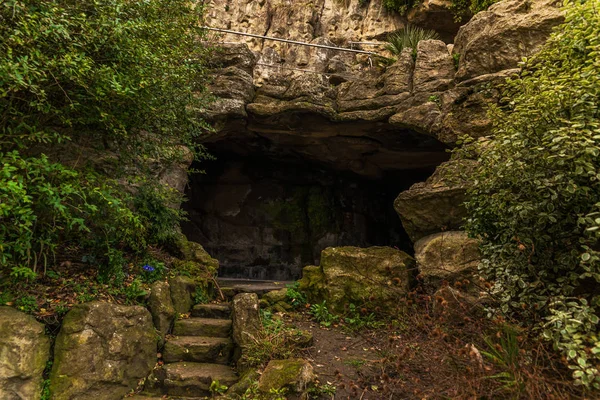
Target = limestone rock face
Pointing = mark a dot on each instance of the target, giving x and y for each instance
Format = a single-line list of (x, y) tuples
[(293, 374), (497, 39), (436, 204), (355, 275), (436, 15), (446, 255), (24, 350), (434, 69), (161, 307), (246, 318), (102, 351)]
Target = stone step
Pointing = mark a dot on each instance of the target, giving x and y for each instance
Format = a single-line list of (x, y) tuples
[(198, 349), (231, 286), (202, 327), (190, 379), (220, 311)]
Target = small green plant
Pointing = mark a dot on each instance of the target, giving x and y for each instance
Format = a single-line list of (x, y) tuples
[(135, 291), (27, 304), (216, 388), (45, 390), (278, 394), (456, 58), (321, 314), (435, 99), (505, 355), (152, 271), (356, 320), (408, 38), (320, 390), (23, 274), (294, 297), (356, 363), (201, 296)]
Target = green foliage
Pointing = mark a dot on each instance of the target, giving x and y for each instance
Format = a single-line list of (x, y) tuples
[(505, 355), (294, 296), (409, 38), (321, 314), (400, 6), (26, 303), (456, 59), (201, 296), (121, 81), (463, 9), (320, 390), (535, 199), (216, 388), (356, 320), (135, 291), (152, 271)]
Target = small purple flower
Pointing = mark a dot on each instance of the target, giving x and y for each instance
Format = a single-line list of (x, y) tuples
[(148, 268)]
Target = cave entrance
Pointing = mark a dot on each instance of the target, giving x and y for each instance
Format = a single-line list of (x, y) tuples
[(274, 198)]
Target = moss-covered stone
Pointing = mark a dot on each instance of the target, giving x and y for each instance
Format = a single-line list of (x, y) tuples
[(102, 351), (246, 381), (24, 351), (275, 296), (182, 293), (293, 374), (357, 275), (161, 307), (313, 283), (192, 251)]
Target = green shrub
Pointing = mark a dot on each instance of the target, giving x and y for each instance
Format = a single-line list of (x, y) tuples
[(463, 9), (123, 81), (535, 201), (399, 6), (408, 38)]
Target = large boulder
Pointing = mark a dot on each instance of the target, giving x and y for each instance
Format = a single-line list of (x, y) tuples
[(437, 204), (447, 255), (497, 39), (294, 374), (24, 351), (358, 275), (161, 307), (102, 351)]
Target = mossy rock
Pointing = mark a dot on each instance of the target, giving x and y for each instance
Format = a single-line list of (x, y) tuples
[(313, 283), (192, 251), (294, 374), (379, 275), (247, 379)]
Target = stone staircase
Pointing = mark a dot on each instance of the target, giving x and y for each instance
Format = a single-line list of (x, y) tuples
[(196, 354)]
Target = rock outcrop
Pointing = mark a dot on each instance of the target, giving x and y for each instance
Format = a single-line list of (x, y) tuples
[(246, 318), (358, 275), (437, 204), (162, 309), (102, 351), (24, 351), (497, 39), (447, 256)]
